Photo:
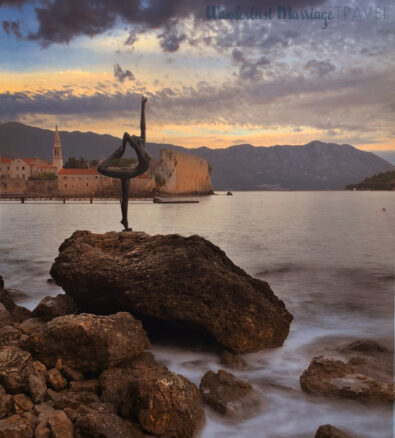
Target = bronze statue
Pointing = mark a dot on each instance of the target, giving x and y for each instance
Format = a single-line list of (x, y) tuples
[(126, 173)]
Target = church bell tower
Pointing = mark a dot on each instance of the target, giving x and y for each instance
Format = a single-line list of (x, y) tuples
[(57, 155)]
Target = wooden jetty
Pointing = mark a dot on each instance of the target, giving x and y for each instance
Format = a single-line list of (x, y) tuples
[(174, 201)]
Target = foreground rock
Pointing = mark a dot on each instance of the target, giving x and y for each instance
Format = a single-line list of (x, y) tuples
[(11, 311), (101, 422), (329, 431), (16, 427), (228, 395), (330, 377), (163, 403), (172, 278), (15, 367), (52, 307), (88, 343)]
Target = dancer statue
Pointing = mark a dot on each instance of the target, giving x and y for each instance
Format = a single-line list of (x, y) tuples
[(125, 174)]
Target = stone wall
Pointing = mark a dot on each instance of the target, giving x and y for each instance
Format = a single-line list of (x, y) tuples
[(42, 188), (180, 174), (13, 186)]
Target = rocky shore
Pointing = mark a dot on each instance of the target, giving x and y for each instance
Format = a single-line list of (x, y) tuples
[(79, 365)]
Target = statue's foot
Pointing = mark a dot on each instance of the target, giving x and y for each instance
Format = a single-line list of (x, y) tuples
[(125, 224)]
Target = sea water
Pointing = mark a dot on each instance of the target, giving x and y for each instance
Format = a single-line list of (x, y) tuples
[(330, 256)]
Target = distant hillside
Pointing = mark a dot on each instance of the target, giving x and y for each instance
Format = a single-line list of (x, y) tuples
[(381, 181), (315, 166), (386, 155)]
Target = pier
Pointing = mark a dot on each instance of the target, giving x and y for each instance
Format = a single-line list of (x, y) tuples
[(64, 199)]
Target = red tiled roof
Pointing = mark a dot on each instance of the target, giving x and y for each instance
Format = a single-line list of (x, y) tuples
[(47, 166), (78, 172), (5, 160), (144, 176)]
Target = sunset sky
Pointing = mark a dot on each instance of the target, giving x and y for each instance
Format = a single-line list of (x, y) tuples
[(83, 64)]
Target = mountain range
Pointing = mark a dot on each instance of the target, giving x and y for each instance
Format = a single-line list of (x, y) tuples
[(314, 166)]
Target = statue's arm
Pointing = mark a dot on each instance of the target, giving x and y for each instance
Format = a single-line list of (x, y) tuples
[(143, 159)]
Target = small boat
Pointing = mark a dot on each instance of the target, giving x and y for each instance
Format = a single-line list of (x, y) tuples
[(229, 193), (180, 201)]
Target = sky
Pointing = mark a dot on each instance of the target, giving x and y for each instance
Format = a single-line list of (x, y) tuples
[(210, 80)]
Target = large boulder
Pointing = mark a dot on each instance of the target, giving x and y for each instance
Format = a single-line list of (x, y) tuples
[(335, 378), (88, 343), (187, 280), (162, 402)]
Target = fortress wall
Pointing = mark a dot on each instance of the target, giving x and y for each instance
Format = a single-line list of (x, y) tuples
[(13, 186), (42, 188), (142, 186), (183, 174)]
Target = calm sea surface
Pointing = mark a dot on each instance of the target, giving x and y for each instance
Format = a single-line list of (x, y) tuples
[(329, 255)]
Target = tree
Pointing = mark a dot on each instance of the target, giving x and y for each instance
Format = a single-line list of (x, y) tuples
[(76, 163)]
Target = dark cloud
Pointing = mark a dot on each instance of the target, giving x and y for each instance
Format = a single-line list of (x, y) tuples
[(12, 27), (59, 21), (120, 75), (171, 38), (12, 2), (320, 68), (249, 69), (131, 39), (65, 102)]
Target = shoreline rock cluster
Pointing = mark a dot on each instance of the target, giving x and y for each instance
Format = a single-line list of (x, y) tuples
[(79, 364)]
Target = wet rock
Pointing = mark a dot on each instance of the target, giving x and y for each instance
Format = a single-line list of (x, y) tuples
[(329, 431), (100, 423), (16, 426), (10, 335), (88, 343), (55, 380), (330, 377), (5, 403), (17, 313), (72, 400), (162, 402), (228, 395), (15, 367), (16, 295), (232, 360), (42, 409), (52, 307), (5, 317), (22, 403), (42, 430), (6, 300), (172, 278), (85, 386), (366, 346), (37, 387), (30, 325), (72, 374), (60, 425)]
